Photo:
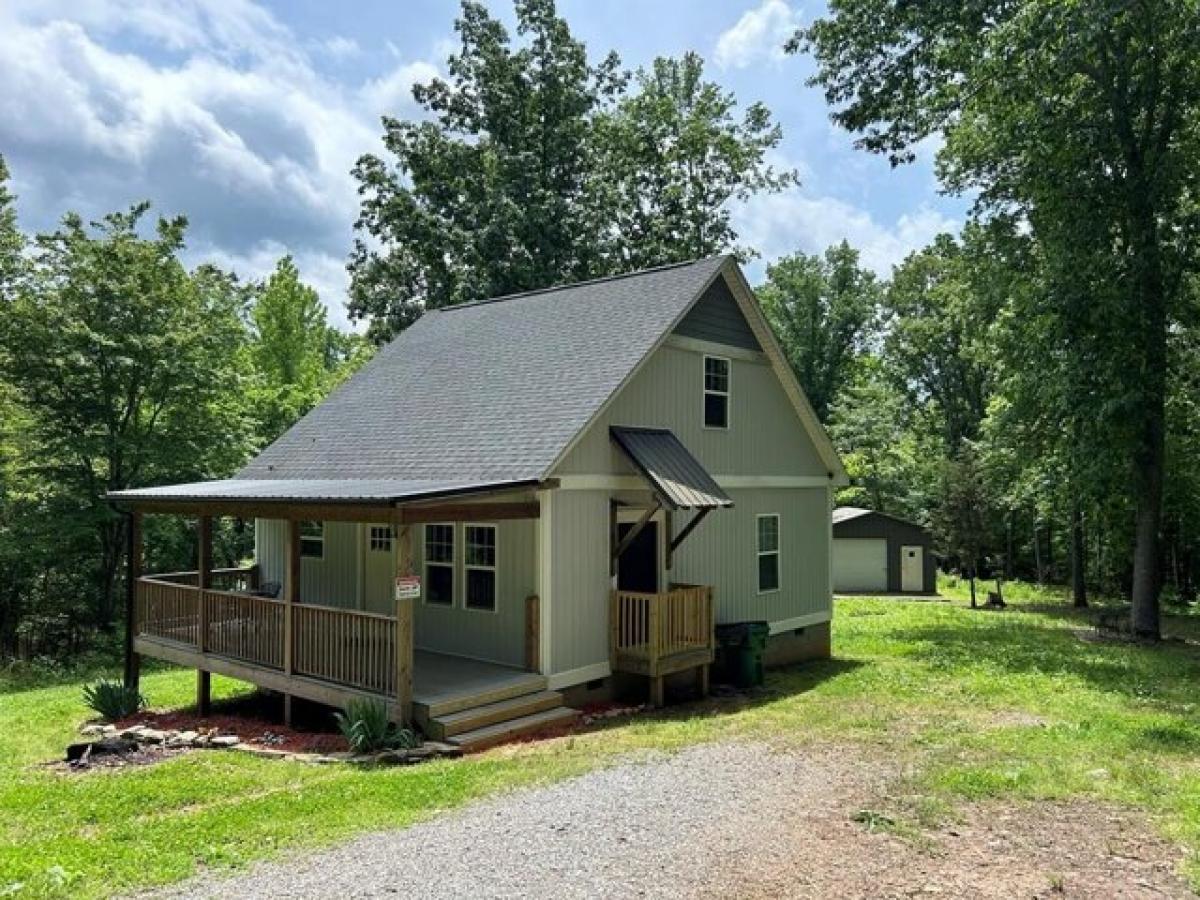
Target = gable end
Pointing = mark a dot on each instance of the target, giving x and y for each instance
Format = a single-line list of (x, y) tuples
[(716, 317)]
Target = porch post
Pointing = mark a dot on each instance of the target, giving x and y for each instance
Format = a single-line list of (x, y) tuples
[(291, 594), (133, 571), (404, 629), (204, 568)]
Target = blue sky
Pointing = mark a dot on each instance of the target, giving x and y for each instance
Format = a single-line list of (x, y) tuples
[(247, 116)]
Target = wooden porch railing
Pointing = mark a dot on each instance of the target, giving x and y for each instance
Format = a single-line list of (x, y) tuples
[(342, 646), (239, 578), (654, 634), (346, 646)]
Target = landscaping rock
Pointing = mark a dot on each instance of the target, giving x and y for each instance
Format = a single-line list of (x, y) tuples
[(182, 739), (97, 729), (134, 732), (82, 749), (224, 741), (152, 736), (443, 749)]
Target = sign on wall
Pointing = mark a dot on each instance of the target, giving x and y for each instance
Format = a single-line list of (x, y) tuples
[(408, 587)]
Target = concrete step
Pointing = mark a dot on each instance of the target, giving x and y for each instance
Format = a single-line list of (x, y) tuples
[(443, 727), (490, 735)]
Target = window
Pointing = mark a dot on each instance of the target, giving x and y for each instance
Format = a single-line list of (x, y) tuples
[(439, 565), (381, 538), (312, 539), (768, 553), (716, 392), (480, 567)]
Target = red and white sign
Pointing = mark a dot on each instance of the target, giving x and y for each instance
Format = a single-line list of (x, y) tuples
[(408, 587)]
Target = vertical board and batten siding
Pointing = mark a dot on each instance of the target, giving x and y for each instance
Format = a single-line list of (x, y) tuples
[(329, 581), (723, 552), (333, 581), (764, 437), (580, 579), (494, 636)]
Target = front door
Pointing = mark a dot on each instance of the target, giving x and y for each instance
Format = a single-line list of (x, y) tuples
[(912, 569), (637, 569)]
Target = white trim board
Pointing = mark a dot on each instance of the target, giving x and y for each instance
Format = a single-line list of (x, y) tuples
[(729, 482), (801, 622), (572, 677)]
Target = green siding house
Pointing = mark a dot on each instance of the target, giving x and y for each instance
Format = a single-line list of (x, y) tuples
[(518, 504)]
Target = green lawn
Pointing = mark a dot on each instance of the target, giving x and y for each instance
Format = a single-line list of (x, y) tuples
[(981, 704)]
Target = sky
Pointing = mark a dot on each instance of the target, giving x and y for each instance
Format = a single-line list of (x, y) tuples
[(248, 116)]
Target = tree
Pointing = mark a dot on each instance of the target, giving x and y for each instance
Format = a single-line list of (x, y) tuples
[(672, 155), (125, 367), (534, 166), (493, 192), (12, 242), (1077, 118), (297, 356), (824, 309)]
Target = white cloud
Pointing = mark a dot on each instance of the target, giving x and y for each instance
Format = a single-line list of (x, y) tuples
[(758, 35), (233, 125), (780, 224), (341, 47)]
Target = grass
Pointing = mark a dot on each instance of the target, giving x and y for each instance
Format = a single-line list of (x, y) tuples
[(973, 706)]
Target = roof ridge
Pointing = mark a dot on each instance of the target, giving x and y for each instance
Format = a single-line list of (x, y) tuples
[(574, 284)]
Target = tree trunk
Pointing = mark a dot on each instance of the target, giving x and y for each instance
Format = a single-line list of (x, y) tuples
[(1008, 546), (1078, 558), (1149, 457), (972, 582), (1037, 552)]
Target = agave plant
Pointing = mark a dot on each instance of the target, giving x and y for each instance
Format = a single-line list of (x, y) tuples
[(366, 727), (113, 700)]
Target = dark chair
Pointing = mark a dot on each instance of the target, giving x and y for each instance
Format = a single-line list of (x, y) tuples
[(267, 589)]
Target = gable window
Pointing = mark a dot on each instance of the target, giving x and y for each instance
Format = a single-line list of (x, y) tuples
[(480, 559), (716, 392), (768, 553), (312, 539), (380, 539), (439, 564)]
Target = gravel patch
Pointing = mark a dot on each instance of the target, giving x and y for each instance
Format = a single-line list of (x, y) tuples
[(722, 820)]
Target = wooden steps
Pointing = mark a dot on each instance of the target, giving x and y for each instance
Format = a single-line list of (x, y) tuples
[(498, 733), (447, 726)]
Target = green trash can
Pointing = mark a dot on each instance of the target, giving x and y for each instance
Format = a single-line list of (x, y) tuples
[(741, 658)]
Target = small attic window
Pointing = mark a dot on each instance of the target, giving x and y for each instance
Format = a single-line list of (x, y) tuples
[(716, 392)]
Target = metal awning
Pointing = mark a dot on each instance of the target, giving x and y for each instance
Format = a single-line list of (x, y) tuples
[(676, 477)]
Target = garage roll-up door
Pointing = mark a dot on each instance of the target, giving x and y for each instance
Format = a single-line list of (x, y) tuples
[(859, 564)]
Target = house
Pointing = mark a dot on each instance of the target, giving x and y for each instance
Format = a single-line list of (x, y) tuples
[(875, 552), (517, 504)]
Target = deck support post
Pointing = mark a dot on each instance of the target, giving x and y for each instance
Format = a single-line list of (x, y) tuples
[(656, 691), (204, 567), (291, 594), (133, 571), (404, 630)]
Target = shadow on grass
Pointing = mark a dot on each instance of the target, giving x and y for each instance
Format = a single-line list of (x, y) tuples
[(997, 641)]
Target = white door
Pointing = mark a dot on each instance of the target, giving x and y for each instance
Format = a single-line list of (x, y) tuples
[(860, 564), (379, 569), (912, 569)]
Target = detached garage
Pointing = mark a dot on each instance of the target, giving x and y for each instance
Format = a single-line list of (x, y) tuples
[(874, 552)]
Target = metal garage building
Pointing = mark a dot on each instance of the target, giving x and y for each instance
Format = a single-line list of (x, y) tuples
[(874, 552)]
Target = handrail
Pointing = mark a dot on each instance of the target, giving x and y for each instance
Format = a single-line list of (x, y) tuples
[(653, 626)]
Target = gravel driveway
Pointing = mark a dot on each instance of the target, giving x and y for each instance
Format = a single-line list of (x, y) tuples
[(722, 820)]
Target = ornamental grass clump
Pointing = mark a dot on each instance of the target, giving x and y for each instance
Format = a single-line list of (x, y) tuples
[(113, 700), (367, 729)]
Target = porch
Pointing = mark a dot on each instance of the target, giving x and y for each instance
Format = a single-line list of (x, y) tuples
[(659, 634), (335, 654)]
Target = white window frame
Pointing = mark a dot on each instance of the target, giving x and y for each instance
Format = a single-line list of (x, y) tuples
[(389, 540), (452, 565), (760, 553), (727, 393), (494, 568), (319, 538)]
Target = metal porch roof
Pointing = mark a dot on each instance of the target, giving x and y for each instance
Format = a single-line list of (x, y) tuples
[(320, 490), (676, 476)]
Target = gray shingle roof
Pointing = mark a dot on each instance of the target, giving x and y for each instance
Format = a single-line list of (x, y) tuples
[(490, 391), (676, 475)]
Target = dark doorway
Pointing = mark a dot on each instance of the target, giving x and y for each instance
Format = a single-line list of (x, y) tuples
[(637, 569)]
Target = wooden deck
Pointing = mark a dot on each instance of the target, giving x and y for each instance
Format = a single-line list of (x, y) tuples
[(336, 654), (659, 634)]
